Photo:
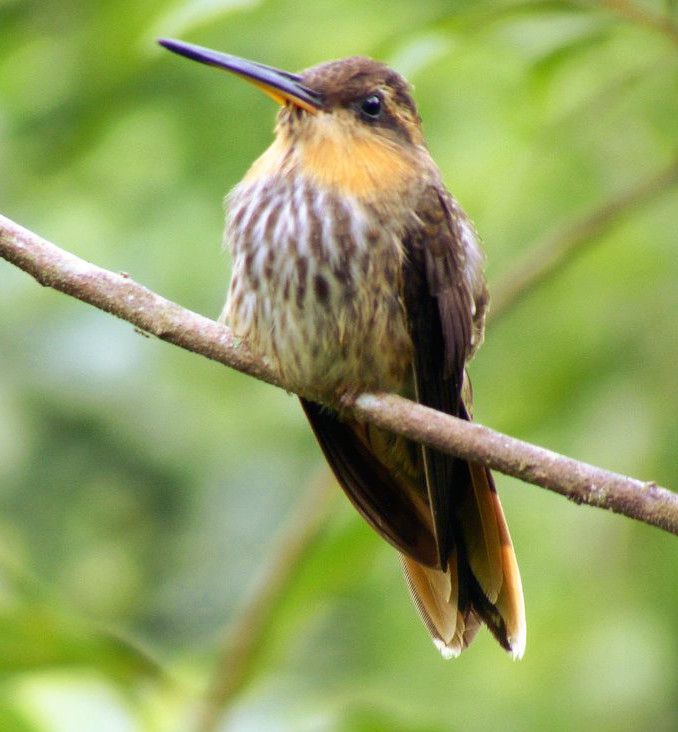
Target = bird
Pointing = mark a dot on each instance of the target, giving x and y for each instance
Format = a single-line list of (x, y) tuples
[(355, 270)]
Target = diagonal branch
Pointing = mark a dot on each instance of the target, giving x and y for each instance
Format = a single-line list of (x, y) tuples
[(121, 296), (241, 642), (578, 481), (640, 15), (548, 255)]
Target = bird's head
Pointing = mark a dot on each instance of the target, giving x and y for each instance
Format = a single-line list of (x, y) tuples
[(352, 123)]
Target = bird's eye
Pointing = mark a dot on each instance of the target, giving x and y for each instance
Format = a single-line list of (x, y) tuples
[(371, 107)]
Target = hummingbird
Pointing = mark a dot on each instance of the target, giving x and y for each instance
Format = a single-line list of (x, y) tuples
[(355, 270)]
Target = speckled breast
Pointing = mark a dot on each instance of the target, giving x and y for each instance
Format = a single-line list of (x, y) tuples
[(316, 286)]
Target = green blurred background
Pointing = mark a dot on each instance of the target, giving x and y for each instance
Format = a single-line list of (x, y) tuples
[(144, 489)]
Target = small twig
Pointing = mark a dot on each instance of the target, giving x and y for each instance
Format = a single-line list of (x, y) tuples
[(642, 16), (549, 254), (242, 638), (126, 299)]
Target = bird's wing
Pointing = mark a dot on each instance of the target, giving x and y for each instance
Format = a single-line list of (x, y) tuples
[(445, 300), (390, 503), (442, 301), (384, 476), (441, 512)]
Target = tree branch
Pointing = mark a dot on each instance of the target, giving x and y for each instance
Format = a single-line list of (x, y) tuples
[(578, 481), (121, 296)]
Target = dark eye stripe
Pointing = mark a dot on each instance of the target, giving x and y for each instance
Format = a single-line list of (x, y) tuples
[(374, 111)]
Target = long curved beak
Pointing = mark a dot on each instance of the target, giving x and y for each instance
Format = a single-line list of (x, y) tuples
[(280, 85)]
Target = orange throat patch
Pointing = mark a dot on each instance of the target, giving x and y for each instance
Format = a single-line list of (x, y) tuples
[(353, 162)]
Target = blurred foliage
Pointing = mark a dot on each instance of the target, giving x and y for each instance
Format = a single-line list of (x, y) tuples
[(141, 487)]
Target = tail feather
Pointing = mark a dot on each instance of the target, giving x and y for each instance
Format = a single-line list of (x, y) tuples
[(470, 579), (481, 583), (436, 596), (511, 603), (481, 533)]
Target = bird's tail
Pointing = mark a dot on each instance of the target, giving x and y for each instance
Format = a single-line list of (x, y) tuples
[(482, 580)]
